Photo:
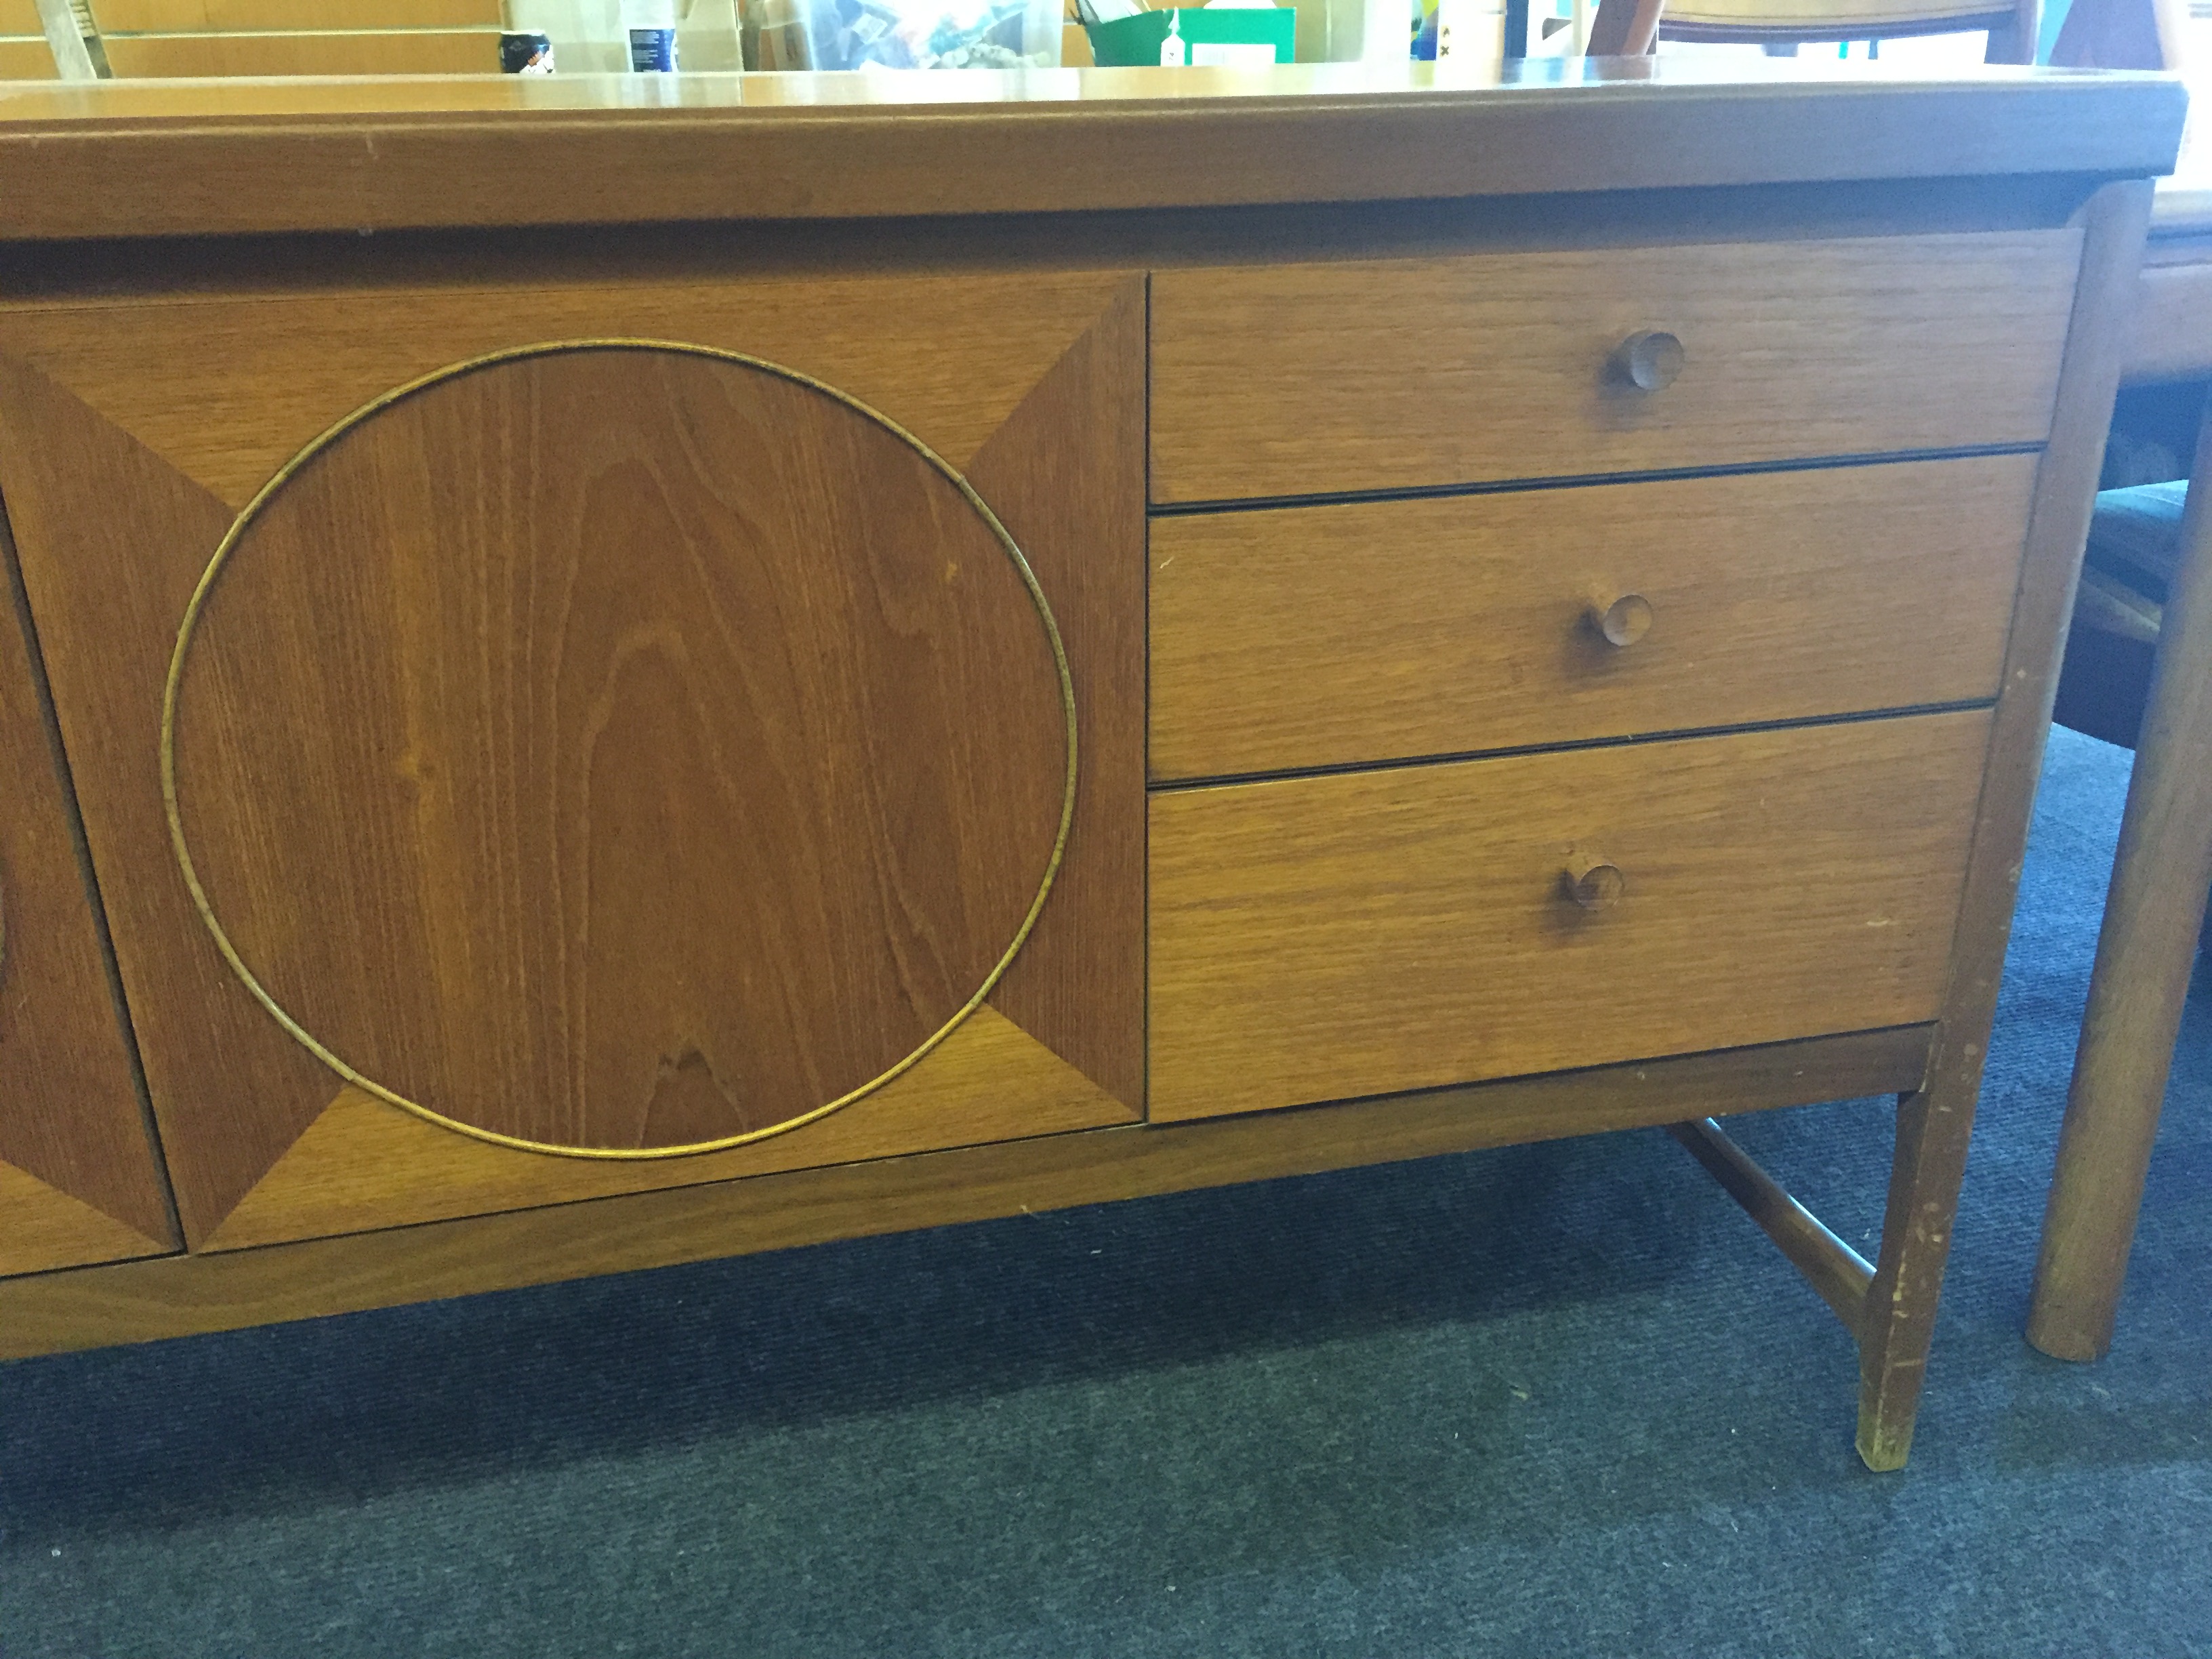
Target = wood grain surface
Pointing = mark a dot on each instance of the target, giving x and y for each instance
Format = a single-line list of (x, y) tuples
[(111, 540), (164, 159), (364, 1164), (302, 52), (42, 1228), (27, 60), (227, 389), (1062, 473), (1355, 934), (104, 479), (1325, 636), (141, 1302), (78, 1180), (621, 749), (1297, 379)]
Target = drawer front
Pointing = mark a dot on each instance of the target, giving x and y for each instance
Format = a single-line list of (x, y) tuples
[(1311, 636), (1314, 938), (1366, 375)]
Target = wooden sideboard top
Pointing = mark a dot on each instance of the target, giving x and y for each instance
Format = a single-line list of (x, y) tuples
[(132, 158)]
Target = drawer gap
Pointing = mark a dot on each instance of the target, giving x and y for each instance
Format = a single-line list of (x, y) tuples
[(1175, 786), (1580, 481)]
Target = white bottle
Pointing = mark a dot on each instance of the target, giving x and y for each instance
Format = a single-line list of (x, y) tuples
[(1471, 34), (1171, 49), (1374, 32)]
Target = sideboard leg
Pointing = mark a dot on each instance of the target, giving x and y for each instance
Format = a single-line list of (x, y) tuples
[(1933, 1121), (1899, 1318)]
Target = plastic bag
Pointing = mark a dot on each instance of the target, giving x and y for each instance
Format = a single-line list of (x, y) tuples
[(846, 34)]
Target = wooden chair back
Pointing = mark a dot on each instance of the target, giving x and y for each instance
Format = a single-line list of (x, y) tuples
[(164, 38), (24, 53), (1630, 27)]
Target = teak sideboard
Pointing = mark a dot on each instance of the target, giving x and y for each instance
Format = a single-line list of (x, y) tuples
[(599, 678)]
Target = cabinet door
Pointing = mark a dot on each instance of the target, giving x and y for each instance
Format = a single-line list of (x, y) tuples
[(626, 741), (78, 1179)]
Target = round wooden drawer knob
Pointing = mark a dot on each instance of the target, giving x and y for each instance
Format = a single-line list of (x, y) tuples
[(1649, 362), (1623, 621), (1593, 883)]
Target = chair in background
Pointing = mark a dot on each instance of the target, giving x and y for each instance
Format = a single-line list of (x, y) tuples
[(40, 41), (134, 39), (2127, 578), (24, 54), (2138, 671), (161, 39), (1628, 28), (2122, 34)]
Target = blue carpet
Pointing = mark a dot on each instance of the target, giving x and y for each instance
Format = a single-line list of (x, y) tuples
[(1560, 1400)]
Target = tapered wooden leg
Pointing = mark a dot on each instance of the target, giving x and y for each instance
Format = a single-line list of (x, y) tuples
[(2144, 954), (1933, 1127), (1933, 1122)]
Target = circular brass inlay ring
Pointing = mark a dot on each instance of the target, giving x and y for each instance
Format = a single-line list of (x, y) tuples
[(453, 371)]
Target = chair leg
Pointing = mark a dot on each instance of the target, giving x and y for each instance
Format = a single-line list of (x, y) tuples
[(1899, 1318), (2014, 42), (2145, 951), (1625, 28)]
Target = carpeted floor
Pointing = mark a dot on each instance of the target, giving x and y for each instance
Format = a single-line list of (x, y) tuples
[(1559, 1399)]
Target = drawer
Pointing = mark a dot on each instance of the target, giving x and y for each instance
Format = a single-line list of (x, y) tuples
[(1301, 380), (1327, 635), (1358, 933)]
